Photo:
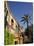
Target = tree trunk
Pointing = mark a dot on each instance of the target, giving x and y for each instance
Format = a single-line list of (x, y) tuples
[(27, 29)]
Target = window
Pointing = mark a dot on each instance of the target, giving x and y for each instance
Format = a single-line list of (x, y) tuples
[(12, 22)]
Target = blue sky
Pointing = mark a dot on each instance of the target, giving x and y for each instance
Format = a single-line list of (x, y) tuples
[(19, 9)]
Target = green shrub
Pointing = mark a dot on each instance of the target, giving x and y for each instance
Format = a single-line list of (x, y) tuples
[(8, 38)]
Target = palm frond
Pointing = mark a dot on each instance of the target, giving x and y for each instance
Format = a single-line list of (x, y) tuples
[(22, 17), (21, 20)]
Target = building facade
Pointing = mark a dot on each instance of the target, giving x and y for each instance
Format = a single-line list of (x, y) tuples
[(13, 26)]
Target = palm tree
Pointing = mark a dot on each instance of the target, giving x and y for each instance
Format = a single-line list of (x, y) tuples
[(26, 19)]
